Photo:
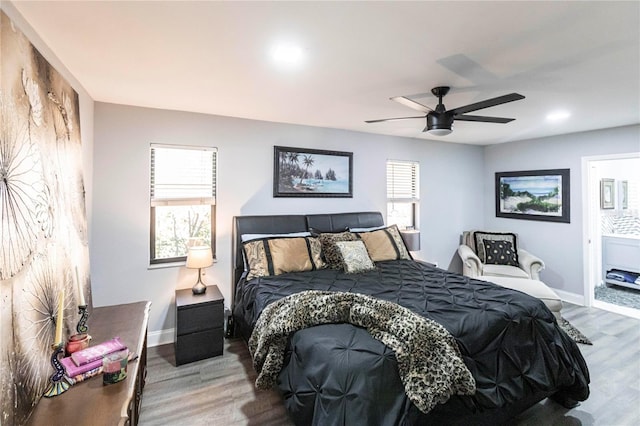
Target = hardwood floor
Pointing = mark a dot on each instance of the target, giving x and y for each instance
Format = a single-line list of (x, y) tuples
[(215, 391), (220, 391), (614, 367)]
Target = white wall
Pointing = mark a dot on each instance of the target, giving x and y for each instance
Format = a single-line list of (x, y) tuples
[(451, 181), (623, 169), (560, 245)]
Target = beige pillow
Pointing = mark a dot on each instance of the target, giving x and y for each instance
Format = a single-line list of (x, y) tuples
[(385, 244), (275, 256)]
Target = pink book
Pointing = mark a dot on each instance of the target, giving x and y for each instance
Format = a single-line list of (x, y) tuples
[(73, 370), (97, 352)]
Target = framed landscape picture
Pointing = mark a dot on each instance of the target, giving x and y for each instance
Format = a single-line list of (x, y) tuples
[(302, 172), (624, 194), (607, 194), (534, 195)]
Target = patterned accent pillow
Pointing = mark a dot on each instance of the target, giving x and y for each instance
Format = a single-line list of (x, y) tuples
[(275, 256), (479, 238), (500, 253), (354, 256), (255, 259), (385, 244), (330, 252)]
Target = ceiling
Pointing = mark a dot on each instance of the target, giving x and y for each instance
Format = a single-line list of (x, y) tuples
[(214, 58)]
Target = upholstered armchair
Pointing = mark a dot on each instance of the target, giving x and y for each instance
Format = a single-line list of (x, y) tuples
[(497, 254)]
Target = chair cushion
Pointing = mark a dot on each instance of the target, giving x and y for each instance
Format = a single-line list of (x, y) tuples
[(534, 288), (503, 271)]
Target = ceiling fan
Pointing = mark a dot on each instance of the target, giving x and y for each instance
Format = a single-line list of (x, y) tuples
[(439, 121)]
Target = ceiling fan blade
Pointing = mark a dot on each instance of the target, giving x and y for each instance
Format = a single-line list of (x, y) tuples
[(487, 103), (483, 119), (392, 119), (411, 104)]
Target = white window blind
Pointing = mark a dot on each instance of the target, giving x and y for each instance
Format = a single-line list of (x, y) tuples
[(182, 175), (402, 181)]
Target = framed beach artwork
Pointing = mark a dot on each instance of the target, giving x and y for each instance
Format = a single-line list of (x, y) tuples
[(302, 172), (607, 194), (533, 195), (624, 194)]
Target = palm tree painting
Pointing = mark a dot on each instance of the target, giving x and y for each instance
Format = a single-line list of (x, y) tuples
[(302, 172)]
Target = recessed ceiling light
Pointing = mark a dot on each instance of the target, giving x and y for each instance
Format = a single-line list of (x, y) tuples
[(287, 55), (558, 115)]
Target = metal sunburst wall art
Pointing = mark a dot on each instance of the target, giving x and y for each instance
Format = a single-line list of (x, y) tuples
[(43, 229)]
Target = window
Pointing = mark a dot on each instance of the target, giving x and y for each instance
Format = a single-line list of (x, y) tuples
[(402, 193), (183, 200)]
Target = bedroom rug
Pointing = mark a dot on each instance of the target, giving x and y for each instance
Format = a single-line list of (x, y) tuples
[(617, 295), (573, 332)]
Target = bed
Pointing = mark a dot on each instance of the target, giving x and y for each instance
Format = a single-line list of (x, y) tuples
[(337, 373)]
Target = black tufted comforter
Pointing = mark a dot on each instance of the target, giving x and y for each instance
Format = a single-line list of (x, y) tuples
[(338, 374)]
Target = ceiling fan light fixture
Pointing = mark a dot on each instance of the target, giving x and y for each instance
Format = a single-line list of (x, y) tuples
[(440, 120), (439, 132), (439, 124)]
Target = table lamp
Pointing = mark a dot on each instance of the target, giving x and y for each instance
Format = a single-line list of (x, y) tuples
[(411, 239), (199, 257)]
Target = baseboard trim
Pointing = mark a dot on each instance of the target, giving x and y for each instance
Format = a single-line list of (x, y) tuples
[(576, 299), (160, 337)]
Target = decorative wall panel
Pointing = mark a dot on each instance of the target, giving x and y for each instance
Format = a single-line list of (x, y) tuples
[(43, 231)]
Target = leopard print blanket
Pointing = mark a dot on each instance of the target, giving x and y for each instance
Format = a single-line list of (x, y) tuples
[(429, 360)]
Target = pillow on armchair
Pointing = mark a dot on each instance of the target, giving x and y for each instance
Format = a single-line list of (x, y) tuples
[(500, 253), (499, 244)]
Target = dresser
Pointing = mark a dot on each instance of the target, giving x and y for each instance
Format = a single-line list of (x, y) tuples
[(90, 402), (199, 325)]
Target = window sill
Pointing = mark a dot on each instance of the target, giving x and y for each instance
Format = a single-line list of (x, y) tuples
[(166, 265), (172, 265)]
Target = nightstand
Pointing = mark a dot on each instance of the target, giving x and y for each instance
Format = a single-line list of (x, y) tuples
[(199, 325)]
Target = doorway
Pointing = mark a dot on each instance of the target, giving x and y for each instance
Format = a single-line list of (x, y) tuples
[(611, 200)]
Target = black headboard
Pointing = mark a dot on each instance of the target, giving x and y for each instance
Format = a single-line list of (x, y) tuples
[(277, 224)]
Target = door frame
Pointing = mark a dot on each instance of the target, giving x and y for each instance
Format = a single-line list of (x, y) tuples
[(592, 248)]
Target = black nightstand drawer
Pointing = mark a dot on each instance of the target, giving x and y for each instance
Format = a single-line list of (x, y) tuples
[(200, 345), (200, 317), (199, 325)]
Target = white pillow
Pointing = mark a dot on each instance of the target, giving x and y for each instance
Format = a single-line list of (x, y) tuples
[(375, 228), (249, 237)]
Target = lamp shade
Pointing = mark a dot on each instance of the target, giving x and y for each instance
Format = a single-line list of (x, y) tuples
[(411, 239), (199, 257)]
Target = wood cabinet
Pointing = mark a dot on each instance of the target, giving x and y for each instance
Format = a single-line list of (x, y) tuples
[(199, 325), (90, 402)]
